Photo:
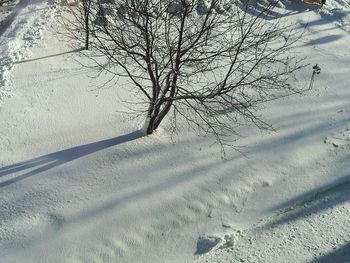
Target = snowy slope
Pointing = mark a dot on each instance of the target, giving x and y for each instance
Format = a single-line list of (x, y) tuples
[(79, 184)]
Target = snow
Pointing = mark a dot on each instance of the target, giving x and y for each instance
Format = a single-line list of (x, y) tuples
[(301, 233), (78, 182), (19, 37)]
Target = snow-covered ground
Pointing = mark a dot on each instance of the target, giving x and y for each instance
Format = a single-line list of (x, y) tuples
[(79, 184), (7, 8)]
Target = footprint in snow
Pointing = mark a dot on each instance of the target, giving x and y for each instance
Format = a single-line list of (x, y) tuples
[(56, 221), (206, 243), (338, 139)]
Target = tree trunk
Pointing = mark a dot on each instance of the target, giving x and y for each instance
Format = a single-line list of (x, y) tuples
[(154, 120), (87, 39), (150, 126), (86, 7)]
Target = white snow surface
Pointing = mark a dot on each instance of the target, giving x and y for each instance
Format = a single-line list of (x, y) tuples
[(78, 183)]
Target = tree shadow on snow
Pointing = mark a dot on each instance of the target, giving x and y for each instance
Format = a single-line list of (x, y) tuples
[(313, 202), (334, 16), (323, 40), (296, 7), (49, 56), (291, 8), (258, 8), (49, 161), (340, 255)]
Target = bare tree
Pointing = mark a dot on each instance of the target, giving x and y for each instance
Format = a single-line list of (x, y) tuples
[(77, 20), (212, 62)]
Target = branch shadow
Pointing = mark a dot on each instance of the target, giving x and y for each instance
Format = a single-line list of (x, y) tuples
[(49, 56), (323, 40), (293, 138), (49, 161), (296, 7), (313, 202), (292, 8), (341, 255), (328, 189), (258, 8), (335, 16), (179, 181)]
